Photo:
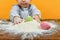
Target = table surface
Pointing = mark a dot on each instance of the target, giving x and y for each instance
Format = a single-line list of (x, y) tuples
[(6, 36)]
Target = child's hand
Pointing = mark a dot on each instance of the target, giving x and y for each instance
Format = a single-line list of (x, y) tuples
[(36, 17), (17, 20)]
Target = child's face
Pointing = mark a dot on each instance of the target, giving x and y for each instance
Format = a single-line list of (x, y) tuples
[(23, 3)]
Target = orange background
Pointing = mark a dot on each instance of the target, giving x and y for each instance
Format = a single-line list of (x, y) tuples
[(50, 9)]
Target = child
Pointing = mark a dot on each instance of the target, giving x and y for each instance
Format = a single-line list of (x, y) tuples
[(22, 10)]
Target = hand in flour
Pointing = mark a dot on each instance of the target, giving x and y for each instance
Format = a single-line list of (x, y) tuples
[(17, 20), (36, 17)]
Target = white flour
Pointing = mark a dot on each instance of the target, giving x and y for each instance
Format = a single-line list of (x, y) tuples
[(30, 27)]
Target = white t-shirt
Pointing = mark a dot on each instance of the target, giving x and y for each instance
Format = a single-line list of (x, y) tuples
[(15, 12)]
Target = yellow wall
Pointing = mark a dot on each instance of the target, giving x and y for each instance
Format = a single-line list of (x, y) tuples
[(50, 9)]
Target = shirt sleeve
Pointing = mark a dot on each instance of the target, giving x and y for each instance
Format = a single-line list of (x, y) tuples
[(14, 12), (35, 10)]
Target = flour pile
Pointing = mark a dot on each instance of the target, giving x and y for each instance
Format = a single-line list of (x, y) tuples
[(30, 27)]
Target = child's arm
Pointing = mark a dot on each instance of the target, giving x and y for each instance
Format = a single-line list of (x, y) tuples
[(36, 13), (14, 15)]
